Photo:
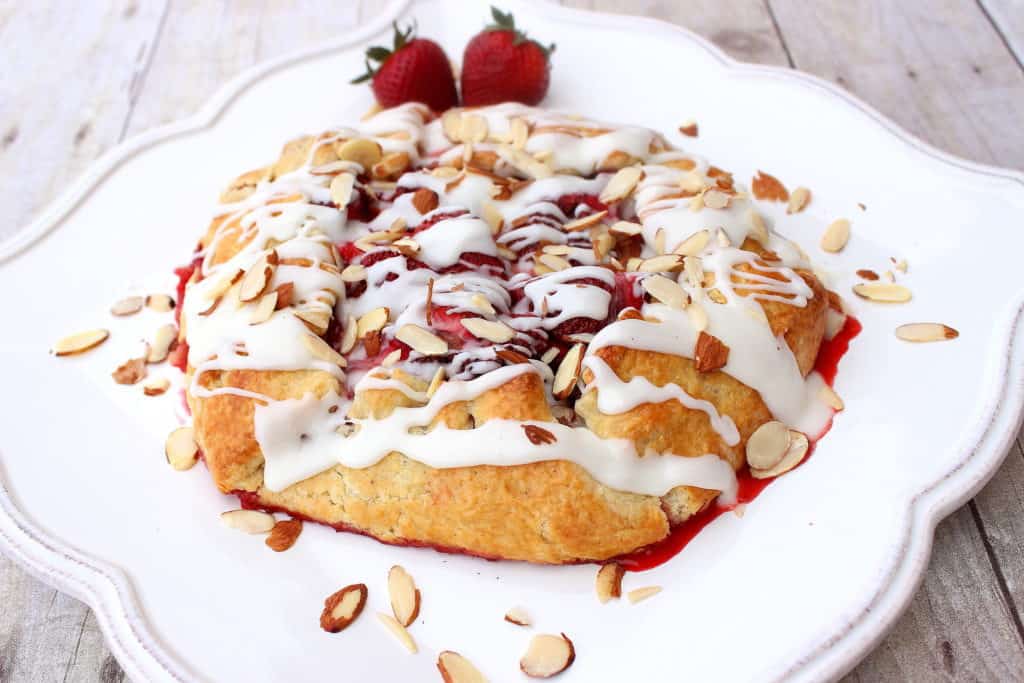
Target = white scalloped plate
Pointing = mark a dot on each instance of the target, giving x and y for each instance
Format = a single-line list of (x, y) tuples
[(798, 589)]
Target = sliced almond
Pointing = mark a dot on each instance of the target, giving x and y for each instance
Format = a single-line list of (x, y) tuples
[(710, 353), (482, 303), (265, 308), (926, 332), (80, 342), (161, 303), (837, 234), (665, 263), (491, 330), (798, 200), (492, 215), (373, 321), (758, 230), (716, 199), (830, 397), (882, 292), (435, 382), (519, 132), (353, 273), (555, 263), (361, 151), (637, 594), (257, 279), (156, 386), (132, 371), (547, 655), (421, 340), (343, 607), (316, 319), (568, 372), (405, 597), (693, 268), (518, 616), (716, 296), (694, 244), (249, 521), (621, 184), (474, 128), (181, 449), (723, 238), (163, 340), (585, 222), (399, 632), (901, 265), (666, 291), (348, 337), (549, 355), (689, 128), (128, 306), (609, 582), (798, 445), (451, 124), (391, 165), (391, 358), (323, 351), (284, 534), (697, 203), (424, 200), (627, 228), (767, 445), (342, 186), (768, 187), (454, 667)]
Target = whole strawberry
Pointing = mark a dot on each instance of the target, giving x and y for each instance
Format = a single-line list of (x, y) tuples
[(501, 64), (413, 70)]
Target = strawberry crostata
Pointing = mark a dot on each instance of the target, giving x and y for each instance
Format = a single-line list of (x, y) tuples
[(501, 331)]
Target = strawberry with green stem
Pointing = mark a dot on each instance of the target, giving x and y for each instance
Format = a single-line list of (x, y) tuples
[(501, 64)]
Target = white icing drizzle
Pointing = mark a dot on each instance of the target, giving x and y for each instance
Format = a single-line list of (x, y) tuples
[(466, 265)]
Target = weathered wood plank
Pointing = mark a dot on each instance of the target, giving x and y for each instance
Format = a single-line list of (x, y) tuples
[(55, 115), (1008, 18), (742, 29)]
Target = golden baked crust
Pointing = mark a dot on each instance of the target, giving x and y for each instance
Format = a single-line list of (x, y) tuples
[(553, 511)]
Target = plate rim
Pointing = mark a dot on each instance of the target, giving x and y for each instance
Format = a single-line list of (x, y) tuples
[(109, 593)]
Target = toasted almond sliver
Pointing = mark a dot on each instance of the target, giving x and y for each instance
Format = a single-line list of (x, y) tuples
[(451, 124), (665, 263), (491, 330), (391, 358), (256, 279), (156, 386), (343, 607), (132, 371), (716, 199), (767, 445), (621, 184), (490, 213), (549, 355), (421, 340), (836, 235), (353, 273), (399, 632), (666, 291), (321, 350), (519, 132), (830, 397), (249, 521), (609, 582), (547, 655), (163, 338), (555, 263), (694, 244), (723, 238), (161, 303), (798, 445), (698, 316), (758, 230), (518, 616), (79, 342), (316, 319), (405, 597), (798, 200), (693, 268), (180, 449), (128, 306), (926, 332), (568, 372), (348, 338), (585, 222), (362, 151), (435, 382), (628, 228), (474, 128), (265, 308), (342, 186), (455, 668), (882, 292), (482, 303), (373, 321), (637, 594)]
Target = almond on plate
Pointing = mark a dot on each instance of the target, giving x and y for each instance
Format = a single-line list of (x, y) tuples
[(343, 607), (284, 534), (405, 597), (609, 581), (455, 668), (547, 655)]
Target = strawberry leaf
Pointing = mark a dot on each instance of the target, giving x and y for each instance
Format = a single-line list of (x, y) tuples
[(378, 53)]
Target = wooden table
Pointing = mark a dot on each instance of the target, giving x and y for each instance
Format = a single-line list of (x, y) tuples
[(78, 78)]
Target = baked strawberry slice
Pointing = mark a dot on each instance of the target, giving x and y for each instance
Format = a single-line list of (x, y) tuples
[(413, 70), (501, 64)]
